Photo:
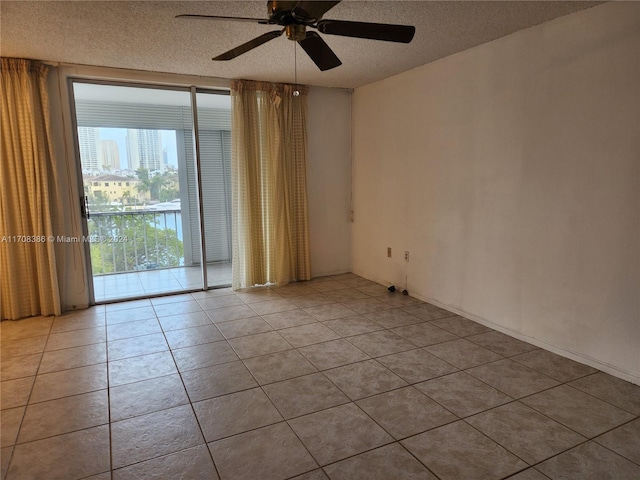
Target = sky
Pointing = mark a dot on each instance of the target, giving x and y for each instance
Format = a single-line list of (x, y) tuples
[(168, 139)]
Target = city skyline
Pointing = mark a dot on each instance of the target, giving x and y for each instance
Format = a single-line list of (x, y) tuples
[(95, 155)]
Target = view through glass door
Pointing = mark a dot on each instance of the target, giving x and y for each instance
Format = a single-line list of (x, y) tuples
[(139, 173)]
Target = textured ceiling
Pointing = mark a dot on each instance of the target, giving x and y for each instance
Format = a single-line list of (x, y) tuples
[(144, 35)]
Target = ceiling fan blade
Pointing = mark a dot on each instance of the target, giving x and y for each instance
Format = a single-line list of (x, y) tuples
[(229, 19), (312, 10), (373, 31), (250, 45), (319, 52)]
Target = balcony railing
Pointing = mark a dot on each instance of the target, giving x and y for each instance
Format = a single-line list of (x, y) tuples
[(135, 240)]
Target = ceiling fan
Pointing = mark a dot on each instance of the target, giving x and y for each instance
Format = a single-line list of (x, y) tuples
[(296, 16)]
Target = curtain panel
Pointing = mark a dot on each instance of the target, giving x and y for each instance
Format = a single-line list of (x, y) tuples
[(28, 275), (269, 184)]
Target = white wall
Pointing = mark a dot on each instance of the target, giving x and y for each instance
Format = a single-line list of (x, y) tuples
[(511, 173), (329, 180), (329, 172)]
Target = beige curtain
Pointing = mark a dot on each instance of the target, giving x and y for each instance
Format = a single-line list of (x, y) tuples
[(270, 223), (28, 278)]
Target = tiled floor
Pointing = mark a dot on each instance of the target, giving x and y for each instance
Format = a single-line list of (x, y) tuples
[(334, 378), (155, 282)]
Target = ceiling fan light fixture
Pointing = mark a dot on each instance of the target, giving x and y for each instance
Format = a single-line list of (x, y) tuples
[(296, 32)]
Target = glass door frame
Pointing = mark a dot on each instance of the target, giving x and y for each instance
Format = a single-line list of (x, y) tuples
[(85, 214)]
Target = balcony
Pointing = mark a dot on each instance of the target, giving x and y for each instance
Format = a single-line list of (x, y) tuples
[(141, 252)]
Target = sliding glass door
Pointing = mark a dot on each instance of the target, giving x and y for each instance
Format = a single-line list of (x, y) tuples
[(156, 188)]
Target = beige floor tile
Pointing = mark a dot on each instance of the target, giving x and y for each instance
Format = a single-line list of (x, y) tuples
[(120, 313), (135, 346), (335, 353), (147, 396), (363, 379), (22, 346), (373, 289), (19, 367), (590, 460), (624, 440), (457, 452), (302, 395), (529, 474), (244, 326), (502, 344), (577, 410), (10, 421), (461, 326), (235, 413), (312, 300), (78, 322), (217, 380), (73, 455), (326, 285), (268, 453), (5, 457), (64, 415), (278, 366), (512, 378), (291, 318), (345, 295), (73, 357), (257, 295), (219, 302), (366, 305), (226, 314), (76, 338), (15, 393), (308, 334), (462, 353), (613, 390), (188, 337), (25, 328), (380, 343), (463, 394), (155, 434), (392, 318), (191, 464), (132, 329), (273, 306), (259, 344), (330, 311), (312, 475), (405, 412), (339, 432), (530, 435), (416, 365), (428, 312), (65, 383), (350, 326), (398, 300), (185, 320), (384, 463), (424, 334), (144, 367), (168, 309), (554, 366), (205, 355)]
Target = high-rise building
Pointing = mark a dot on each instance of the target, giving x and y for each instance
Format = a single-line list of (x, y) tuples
[(144, 149), (88, 138), (109, 155)]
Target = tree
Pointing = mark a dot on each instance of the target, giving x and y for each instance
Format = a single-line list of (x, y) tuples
[(129, 242)]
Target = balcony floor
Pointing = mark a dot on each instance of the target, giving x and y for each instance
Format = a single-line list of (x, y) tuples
[(118, 286)]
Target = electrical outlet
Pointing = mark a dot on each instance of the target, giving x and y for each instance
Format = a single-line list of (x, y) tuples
[(389, 252), (406, 255)]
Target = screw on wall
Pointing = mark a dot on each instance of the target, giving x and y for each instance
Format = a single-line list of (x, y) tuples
[(406, 255)]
